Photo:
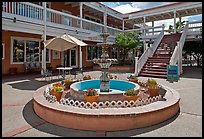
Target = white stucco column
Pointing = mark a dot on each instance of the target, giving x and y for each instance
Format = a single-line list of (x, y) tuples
[(80, 58), (152, 28), (105, 20), (144, 25), (81, 14), (136, 65), (123, 24), (174, 21), (44, 36)]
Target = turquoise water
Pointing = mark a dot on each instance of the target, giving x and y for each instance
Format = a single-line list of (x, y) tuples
[(116, 86)]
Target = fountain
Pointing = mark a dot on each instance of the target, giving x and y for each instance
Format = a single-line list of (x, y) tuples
[(112, 112), (104, 63)]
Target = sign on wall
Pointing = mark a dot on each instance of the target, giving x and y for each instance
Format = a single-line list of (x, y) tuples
[(55, 54), (172, 73)]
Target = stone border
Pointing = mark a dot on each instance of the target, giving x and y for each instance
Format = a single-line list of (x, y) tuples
[(107, 119)]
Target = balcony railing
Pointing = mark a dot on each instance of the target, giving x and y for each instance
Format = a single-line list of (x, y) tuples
[(34, 11), (23, 9)]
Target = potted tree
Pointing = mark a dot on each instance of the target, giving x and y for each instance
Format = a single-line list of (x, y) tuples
[(91, 95), (153, 87), (86, 77), (133, 78), (57, 90), (131, 94), (67, 83)]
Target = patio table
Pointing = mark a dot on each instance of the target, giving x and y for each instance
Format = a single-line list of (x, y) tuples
[(63, 71)]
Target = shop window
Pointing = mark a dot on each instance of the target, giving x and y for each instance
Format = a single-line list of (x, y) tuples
[(93, 52), (25, 50)]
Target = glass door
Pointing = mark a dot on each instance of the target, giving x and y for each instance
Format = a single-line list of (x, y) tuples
[(71, 57)]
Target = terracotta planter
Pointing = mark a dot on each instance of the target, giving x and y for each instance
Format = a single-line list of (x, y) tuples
[(91, 99), (56, 94), (153, 91), (67, 86), (133, 80), (129, 98)]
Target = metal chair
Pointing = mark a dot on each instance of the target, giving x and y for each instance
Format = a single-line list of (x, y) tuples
[(26, 66), (46, 73)]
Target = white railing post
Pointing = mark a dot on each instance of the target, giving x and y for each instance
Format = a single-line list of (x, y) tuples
[(136, 65), (180, 58)]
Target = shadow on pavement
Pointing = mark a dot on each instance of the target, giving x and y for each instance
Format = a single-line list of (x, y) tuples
[(192, 72), (138, 131), (30, 117)]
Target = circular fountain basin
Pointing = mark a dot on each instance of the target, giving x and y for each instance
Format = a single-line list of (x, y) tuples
[(107, 119), (117, 88)]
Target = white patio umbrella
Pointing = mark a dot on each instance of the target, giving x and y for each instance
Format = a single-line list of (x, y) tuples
[(63, 42)]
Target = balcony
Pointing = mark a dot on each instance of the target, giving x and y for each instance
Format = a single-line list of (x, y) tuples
[(29, 18)]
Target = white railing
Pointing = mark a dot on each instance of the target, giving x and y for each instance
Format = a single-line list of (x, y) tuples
[(148, 30), (62, 18), (148, 53), (180, 43), (35, 11), (113, 31), (23, 9), (195, 26)]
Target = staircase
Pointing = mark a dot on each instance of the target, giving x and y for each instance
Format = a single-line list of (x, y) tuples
[(156, 66)]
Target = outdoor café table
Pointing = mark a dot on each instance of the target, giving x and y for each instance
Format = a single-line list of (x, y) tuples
[(63, 70)]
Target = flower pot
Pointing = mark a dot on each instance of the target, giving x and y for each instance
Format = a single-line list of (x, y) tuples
[(91, 99), (56, 94), (129, 98), (67, 86), (133, 80), (153, 92)]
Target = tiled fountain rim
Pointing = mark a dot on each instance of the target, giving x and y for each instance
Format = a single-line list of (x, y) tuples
[(74, 84), (172, 97)]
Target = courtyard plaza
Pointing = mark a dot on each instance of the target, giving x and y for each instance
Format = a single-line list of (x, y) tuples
[(19, 119)]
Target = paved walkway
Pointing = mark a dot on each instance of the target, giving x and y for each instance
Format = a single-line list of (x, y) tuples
[(19, 119)]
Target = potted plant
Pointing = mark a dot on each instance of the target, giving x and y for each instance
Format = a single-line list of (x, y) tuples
[(110, 76), (133, 78), (67, 83), (91, 95), (57, 90), (153, 87), (86, 77), (131, 94)]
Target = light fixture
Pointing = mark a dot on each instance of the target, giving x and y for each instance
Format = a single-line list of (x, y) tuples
[(14, 19)]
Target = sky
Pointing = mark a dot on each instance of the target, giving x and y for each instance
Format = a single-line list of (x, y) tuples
[(127, 7)]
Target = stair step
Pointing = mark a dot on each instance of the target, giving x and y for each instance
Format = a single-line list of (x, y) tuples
[(154, 72), (152, 75), (160, 58), (155, 66), (158, 61), (154, 69)]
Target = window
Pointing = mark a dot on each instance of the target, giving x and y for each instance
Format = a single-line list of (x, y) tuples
[(32, 51), (18, 50), (27, 50), (3, 50), (96, 52), (93, 52)]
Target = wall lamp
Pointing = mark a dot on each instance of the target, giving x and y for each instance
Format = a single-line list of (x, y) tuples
[(14, 19)]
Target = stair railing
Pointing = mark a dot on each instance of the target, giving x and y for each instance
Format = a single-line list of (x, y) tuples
[(147, 53), (177, 54)]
